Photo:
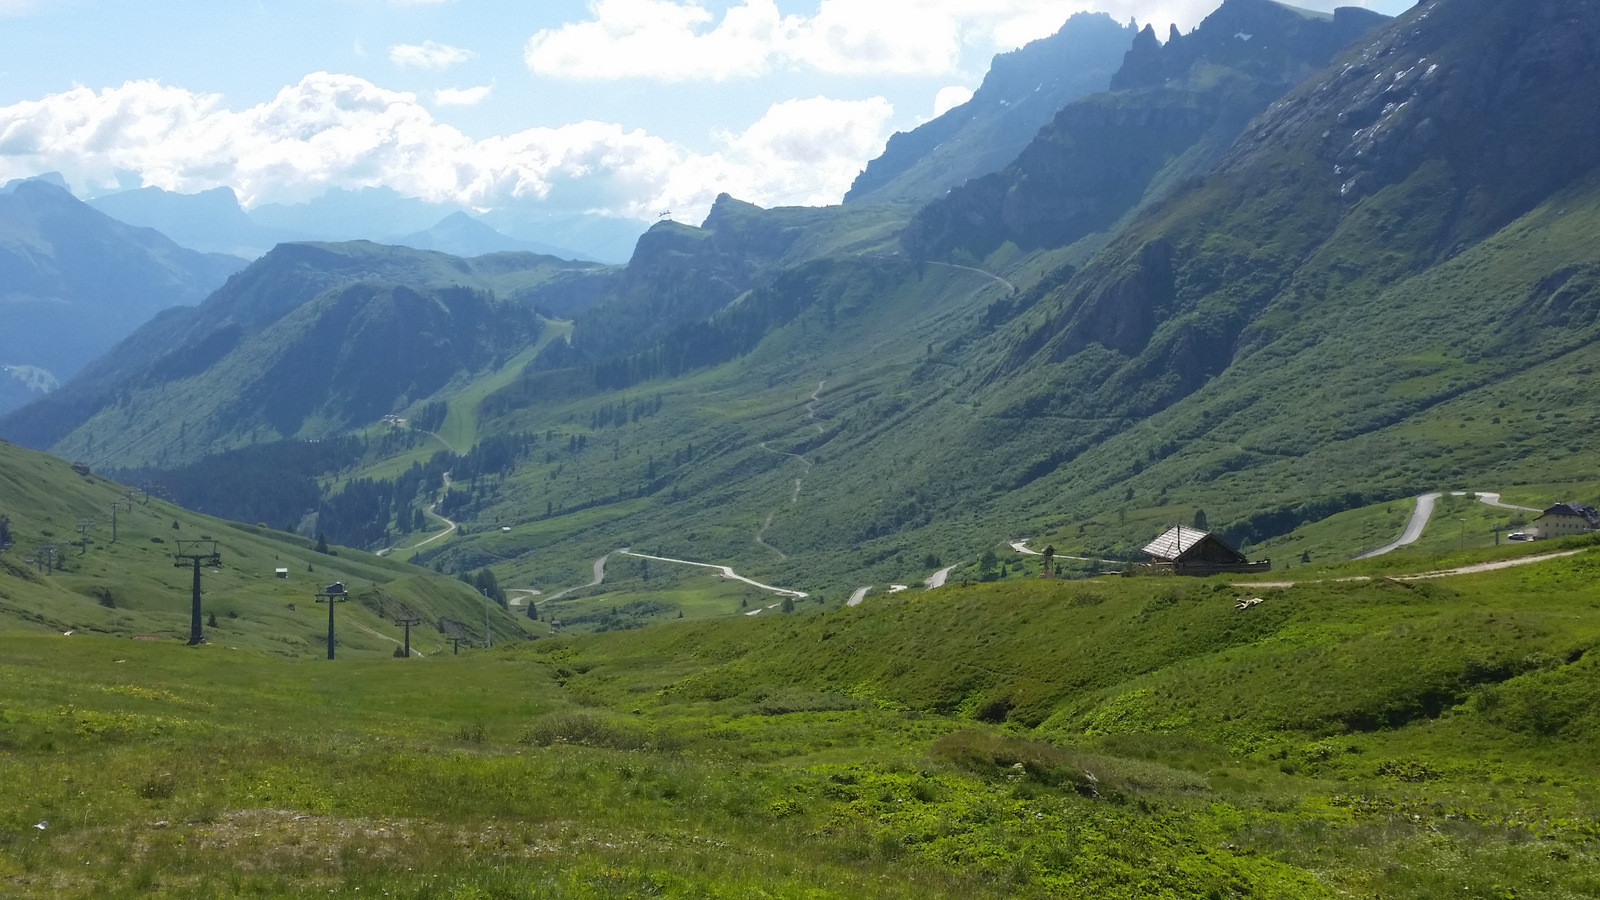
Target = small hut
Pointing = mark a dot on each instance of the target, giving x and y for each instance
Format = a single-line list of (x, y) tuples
[(1190, 551)]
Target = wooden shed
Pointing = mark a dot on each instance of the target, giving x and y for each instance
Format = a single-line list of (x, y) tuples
[(1190, 551)]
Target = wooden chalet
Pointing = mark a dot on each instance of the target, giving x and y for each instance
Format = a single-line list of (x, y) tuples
[(1190, 551)]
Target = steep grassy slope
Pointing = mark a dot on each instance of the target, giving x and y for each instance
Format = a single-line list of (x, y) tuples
[(1115, 738), (131, 587)]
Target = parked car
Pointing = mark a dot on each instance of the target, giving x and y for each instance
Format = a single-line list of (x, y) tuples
[(1519, 536)]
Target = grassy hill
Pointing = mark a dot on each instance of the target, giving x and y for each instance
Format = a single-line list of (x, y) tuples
[(1118, 737), (132, 588)]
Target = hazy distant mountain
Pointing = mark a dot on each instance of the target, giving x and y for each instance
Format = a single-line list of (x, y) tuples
[(308, 340), (386, 216), (461, 235), (74, 281), (210, 221), (1023, 90)]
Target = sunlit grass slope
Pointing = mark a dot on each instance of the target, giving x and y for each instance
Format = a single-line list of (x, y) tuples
[(132, 587), (1109, 738)]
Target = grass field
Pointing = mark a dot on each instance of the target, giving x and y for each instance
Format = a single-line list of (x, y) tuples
[(1106, 738)]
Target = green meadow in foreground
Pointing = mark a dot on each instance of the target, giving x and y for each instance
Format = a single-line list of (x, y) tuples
[(1117, 737)]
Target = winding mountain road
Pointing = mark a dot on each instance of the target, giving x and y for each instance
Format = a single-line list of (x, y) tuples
[(1022, 547), (599, 578), (449, 526), (1424, 511), (1421, 576), (990, 275), (794, 498), (938, 579), (725, 571)]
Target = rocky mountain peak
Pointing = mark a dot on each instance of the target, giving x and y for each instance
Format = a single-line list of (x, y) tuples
[(1508, 95)]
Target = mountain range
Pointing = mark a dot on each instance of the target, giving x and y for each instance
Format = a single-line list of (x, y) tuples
[(213, 221), (1289, 265), (74, 282)]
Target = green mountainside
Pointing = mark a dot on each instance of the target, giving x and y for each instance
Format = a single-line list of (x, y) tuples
[(122, 581), (308, 341), (1354, 305), (709, 488), (1022, 92), (74, 282)]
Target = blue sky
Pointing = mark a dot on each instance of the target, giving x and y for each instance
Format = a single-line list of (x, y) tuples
[(616, 105)]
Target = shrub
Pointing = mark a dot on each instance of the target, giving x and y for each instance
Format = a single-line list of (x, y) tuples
[(997, 757), (591, 729)]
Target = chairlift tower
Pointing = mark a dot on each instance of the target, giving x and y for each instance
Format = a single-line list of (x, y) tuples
[(408, 621), (196, 554), (333, 593)]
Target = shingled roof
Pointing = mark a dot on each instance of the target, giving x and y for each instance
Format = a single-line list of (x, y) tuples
[(1587, 513), (1174, 542)]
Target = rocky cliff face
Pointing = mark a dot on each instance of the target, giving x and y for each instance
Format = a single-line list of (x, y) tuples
[(1023, 90), (1507, 95), (1174, 109), (1413, 146)]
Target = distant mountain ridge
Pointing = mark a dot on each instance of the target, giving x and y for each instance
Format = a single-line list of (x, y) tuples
[(213, 221), (309, 340), (1173, 111), (459, 234), (1022, 91), (74, 281)]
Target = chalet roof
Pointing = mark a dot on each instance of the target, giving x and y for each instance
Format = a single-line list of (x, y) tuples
[(1174, 542), (1587, 513)]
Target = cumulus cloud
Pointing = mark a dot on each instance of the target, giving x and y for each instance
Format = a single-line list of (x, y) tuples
[(334, 130), (677, 40), (428, 55), (471, 96), (949, 98), (682, 40)]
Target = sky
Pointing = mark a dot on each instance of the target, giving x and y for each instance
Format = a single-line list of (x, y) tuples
[(622, 107)]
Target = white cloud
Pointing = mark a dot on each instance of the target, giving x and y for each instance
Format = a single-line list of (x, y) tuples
[(471, 96), (428, 55), (682, 40), (675, 40), (949, 98), (334, 130)]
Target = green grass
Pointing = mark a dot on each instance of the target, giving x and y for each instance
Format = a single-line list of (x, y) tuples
[(131, 587), (1117, 737)]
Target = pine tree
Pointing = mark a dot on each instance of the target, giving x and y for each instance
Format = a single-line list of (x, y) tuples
[(322, 542)]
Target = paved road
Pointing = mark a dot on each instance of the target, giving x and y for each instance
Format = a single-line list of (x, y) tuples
[(858, 596), (1424, 511), (725, 571), (449, 529), (1421, 576), (599, 579), (1022, 547), (937, 579), (1413, 530)]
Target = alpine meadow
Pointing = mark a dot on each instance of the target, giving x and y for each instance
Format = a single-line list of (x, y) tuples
[(1165, 474)]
